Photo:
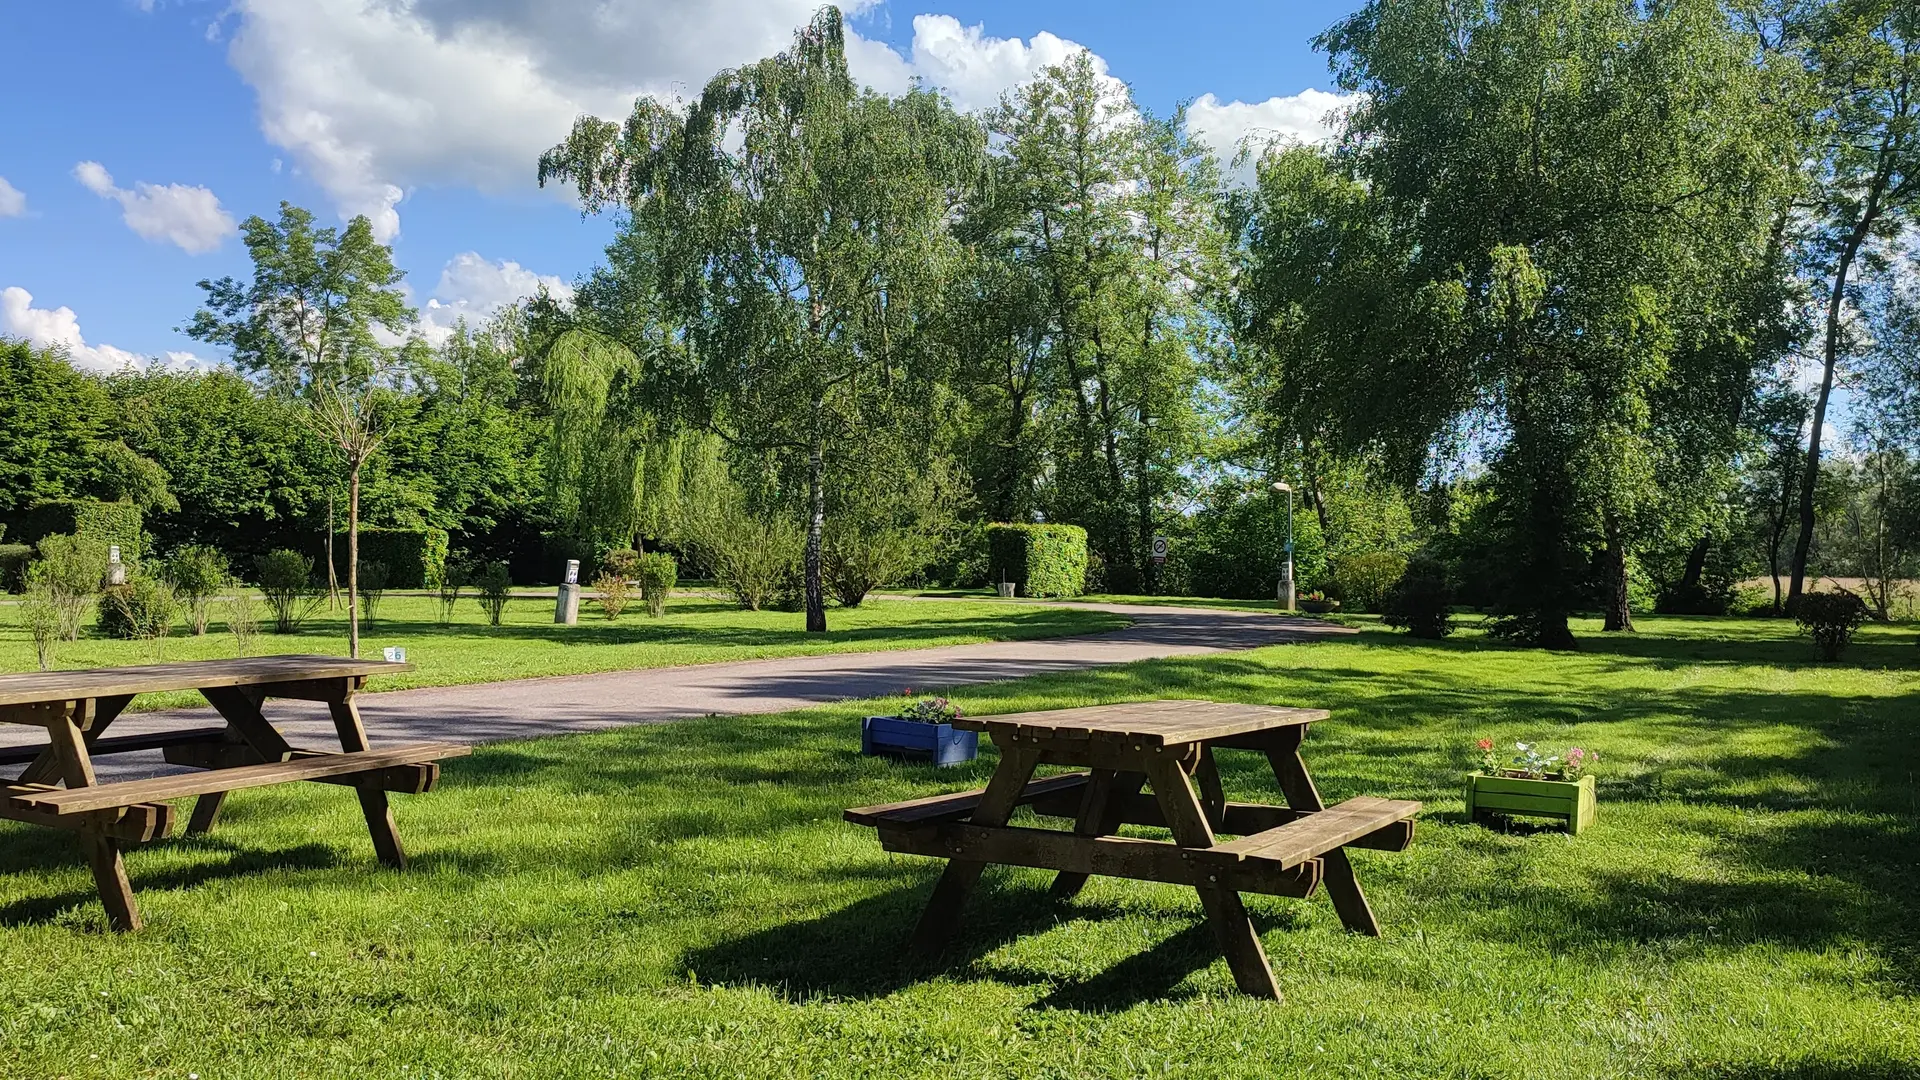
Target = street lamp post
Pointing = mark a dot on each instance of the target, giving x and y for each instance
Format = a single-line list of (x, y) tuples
[(1285, 590)]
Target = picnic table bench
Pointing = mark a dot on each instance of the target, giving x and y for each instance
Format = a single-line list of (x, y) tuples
[(247, 751), (1168, 746)]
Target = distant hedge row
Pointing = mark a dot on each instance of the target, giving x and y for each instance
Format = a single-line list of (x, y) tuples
[(414, 558), (1041, 560), (108, 522)]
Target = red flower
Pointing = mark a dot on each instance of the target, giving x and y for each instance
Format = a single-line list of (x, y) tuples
[(1485, 744)]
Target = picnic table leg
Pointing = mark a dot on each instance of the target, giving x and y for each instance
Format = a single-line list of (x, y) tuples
[(942, 916), (373, 801), (1100, 810), (66, 733), (1337, 876), (46, 768), (206, 813), (1213, 796), (1232, 927)]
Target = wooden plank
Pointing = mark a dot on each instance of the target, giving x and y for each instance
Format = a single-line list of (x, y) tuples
[(960, 803), (1109, 856), (942, 915), (41, 686), (373, 801), (1226, 915), (1317, 832), (1099, 815), (137, 824), (159, 788), (119, 744), (415, 779), (240, 707), (1343, 885), (1146, 723), (1237, 819), (110, 878)]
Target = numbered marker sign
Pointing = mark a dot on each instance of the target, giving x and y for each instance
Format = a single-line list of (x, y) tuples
[(394, 654), (573, 571), (1159, 549)]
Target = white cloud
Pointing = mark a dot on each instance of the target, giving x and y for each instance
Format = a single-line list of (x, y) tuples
[(372, 99), (188, 217), (1303, 118), (50, 327), (472, 288), (12, 202)]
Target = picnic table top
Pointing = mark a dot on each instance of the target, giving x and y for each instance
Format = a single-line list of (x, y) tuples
[(1155, 723), (40, 686)]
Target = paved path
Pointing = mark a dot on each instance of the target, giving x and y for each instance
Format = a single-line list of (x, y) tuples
[(523, 708)]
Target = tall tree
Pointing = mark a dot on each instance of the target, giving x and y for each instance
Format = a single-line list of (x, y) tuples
[(1866, 55), (802, 258), (309, 323)]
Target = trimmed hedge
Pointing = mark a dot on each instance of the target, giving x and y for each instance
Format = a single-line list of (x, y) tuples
[(415, 558), (13, 566), (1041, 560), (89, 519)]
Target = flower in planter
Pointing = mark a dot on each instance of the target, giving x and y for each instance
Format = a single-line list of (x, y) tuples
[(1579, 761), (1489, 761), (931, 711), (1529, 762)]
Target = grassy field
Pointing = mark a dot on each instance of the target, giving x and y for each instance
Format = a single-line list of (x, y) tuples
[(527, 644), (683, 900)]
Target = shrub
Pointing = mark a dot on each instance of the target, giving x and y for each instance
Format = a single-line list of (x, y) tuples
[(451, 581), (1831, 618), (1041, 560), (495, 584), (857, 559), (14, 559), (286, 579), (614, 591), (755, 558), (197, 573), (243, 617), (89, 519), (373, 585), (624, 562), (1421, 601), (141, 610), (414, 558), (658, 573), (72, 569), (1362, 580), (40, 613)]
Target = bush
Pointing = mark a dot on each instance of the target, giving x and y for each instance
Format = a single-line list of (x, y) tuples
[(71, 568), (614, 592), (1041, 560), (451, 581), (1421, 601), (89, 519), (857, 559), (757, 559), (40, 614), (286, 579), (1362, 580), (414, 558), (1831, 618), (14, 559), (374, 576), (495, 584), (141, 610), (243, 619), (658, 573), (197, 573), (624, 562)]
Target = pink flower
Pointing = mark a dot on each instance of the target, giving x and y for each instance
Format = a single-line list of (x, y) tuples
[(1485, 744)]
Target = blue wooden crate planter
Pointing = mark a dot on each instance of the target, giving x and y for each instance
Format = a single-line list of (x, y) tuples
[(891, 736)]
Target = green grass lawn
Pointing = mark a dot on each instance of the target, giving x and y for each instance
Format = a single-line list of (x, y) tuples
[(528, 644), (683, 900)]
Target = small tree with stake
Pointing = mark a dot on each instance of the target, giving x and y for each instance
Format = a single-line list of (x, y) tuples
[(307, 322)]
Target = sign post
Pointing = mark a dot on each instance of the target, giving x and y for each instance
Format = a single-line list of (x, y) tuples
[(566, 609)]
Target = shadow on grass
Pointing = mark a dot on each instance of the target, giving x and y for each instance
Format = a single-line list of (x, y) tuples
[(239, 862)]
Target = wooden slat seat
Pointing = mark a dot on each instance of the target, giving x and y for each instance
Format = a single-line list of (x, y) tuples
[(118, 744), (1312, 835), (959, 804), (318, 766)]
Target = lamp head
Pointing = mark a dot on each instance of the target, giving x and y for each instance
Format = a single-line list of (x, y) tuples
[(1282, 486)]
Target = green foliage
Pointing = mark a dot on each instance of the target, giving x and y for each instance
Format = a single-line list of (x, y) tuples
[(1362, 579), (754, 557), (1420, 602), (13, 566), (615, 590), (494, 583), (197, 573), (622, 562), (72, 569), (1041, 560), (658, 574), (374, 580), (1239, 541), (53, 415), (448, 594), (42, 615), (286, 579), (90, 519), (242, 617), (1831, 619), (413, 558), (143, 609)]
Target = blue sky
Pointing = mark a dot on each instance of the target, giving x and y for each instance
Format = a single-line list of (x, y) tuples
[(427, 115)]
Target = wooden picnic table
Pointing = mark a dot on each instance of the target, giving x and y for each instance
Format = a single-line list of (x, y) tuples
[(1168, 746), (76, 708)]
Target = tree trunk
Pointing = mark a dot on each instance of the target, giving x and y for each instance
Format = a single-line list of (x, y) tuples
[(816, 522), (1619, 617), (1836, 303), (353, 563), (1696, 569)]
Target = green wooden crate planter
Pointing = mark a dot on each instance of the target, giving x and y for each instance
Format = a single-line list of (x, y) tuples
[(1571, 800)]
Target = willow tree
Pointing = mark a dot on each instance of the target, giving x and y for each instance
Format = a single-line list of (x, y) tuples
[(799, 229)]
